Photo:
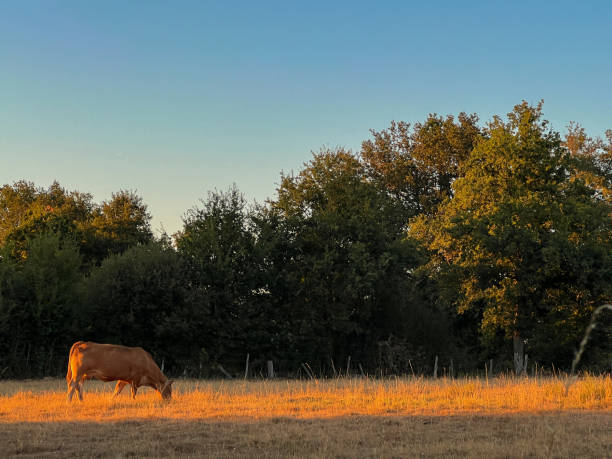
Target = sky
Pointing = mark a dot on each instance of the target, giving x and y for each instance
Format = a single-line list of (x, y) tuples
[(174, 99)]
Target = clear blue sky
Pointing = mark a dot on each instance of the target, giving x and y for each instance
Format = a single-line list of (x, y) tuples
[(172, 99)]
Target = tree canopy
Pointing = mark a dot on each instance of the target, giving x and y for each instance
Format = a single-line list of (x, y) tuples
[(98, 229), (523, 236), (439, 238)]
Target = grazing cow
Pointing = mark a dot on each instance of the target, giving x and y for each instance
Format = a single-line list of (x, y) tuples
[(111, 362)]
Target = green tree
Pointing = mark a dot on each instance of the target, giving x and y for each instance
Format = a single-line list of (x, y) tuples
[(276, 319), (219, 249), (142, 297), (418, 166), (12, 316), (594, 157), (39, 305), (349, 257), (523, 238), (99, 230), (27, 211), (117, 224)]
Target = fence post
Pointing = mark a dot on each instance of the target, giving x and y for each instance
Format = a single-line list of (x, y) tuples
[(436, 367), (270, 369), (246, 367)]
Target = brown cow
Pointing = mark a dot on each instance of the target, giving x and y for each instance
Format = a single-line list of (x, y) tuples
[(111, 362)]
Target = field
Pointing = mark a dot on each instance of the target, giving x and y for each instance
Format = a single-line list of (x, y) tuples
[(404, 417)]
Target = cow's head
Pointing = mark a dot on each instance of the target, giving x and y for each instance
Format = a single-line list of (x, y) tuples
[(165, 390)]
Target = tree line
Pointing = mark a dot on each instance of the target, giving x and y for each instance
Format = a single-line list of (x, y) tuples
[(444, 238)]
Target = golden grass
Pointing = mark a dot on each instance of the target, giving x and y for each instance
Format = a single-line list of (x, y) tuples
[(45, 401), (500, 417)]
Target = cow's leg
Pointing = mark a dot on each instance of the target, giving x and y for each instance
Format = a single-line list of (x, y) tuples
[(71, 389), (70, 380), (79, 384), (119, 387), (75, 386), (134, 389)]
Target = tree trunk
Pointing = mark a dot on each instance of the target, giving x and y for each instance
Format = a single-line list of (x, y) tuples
[(519, 353)]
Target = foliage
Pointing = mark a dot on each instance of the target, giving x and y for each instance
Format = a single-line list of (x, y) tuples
[(439, 238), (349, 258), (27, 211), (218, 247), (141, 298), (38, 305), (116, 225), (419, 166), (99, 230), (523, 238)]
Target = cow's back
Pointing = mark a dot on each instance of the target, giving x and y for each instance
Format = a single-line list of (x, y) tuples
[(110, 362)]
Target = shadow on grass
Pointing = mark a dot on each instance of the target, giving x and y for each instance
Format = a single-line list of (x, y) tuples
[(561, 435)]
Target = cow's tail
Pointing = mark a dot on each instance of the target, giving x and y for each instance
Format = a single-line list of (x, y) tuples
[(69, 372)]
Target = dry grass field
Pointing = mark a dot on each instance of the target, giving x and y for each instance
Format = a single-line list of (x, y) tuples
[(404, 417)]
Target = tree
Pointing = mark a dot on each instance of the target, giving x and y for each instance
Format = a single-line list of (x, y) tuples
[(595, 160), (38, 305), (523, 238), (142, 297), (274, 328), (117, 224), (418, 166), (27, 211), (218, 247), (349, 257), (11, 314), (99, 230)]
